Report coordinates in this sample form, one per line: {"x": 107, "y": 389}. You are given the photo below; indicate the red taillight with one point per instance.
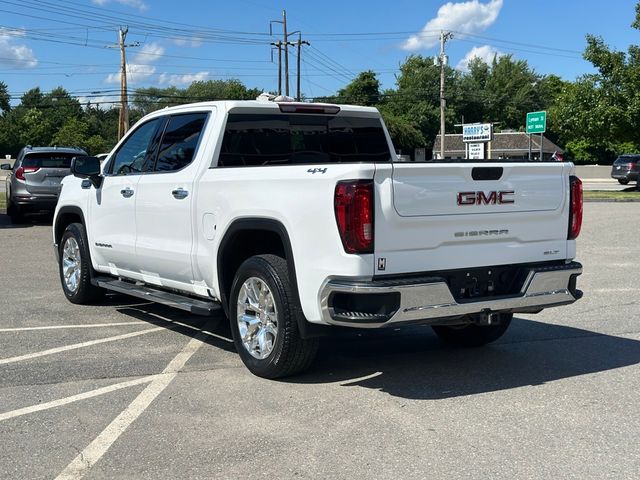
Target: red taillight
{"x": 20, "y": 171}
{"x": 353, "y": 204}
{"x": 575, "y": 207}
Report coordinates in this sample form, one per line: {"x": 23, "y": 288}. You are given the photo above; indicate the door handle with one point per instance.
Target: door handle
{"x": 126, "y": 192}
{"x": 180, "y": 193}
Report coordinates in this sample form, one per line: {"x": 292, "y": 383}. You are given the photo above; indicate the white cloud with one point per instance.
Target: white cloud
{"x": 188, "y": 42}
{"x": 189, "y": 78}
{"x": 140, "y": 67}
{"x": 464, "y": 17}
{"x": 150, "y": 52}
{"x": 13, "y": 54}
{"x": 135, "y": 74}
{"x": 485, "y": 53}
{"x": 137, "y": 4}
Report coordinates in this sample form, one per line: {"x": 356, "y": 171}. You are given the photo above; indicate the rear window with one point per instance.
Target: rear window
{"x": 627, "y": 158}
{"x": 49, "y": 160}
{"x": 254, "y": 140}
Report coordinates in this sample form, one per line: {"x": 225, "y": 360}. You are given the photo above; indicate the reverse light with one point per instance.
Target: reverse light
{"x": 575, "y": 207}
{"x": 20, "y": 171}
{"x": 353, "y": 203}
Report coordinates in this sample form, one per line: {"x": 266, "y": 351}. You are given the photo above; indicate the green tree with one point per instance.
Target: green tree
{"x": 73, "y": 133}
{"x": 598, "y": 116}
{"x": 202, "y": 91}
{"x": 34, "y": 128}
{"x": 362, "y": 90}
{"x": 511, "y": 92}
{"x": 5, "y": 98}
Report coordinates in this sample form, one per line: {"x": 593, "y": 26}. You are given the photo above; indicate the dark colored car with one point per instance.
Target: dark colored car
{"x": 34, "y": 182}
{"x": 625, "y": 169}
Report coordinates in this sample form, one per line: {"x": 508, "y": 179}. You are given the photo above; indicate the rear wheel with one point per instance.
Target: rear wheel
{"x": 472, "y": 335}
{"x": 14, "y": 212}
{"x": 75, "y": 267}
{"x": 623, "y": 181}
{"x": 264, "y": 314}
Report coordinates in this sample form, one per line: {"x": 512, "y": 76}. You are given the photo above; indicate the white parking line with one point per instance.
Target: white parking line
{"x": 97, "y": 448}
{"x": 615, "y": 290}
{"x": 56, "y": 327}
{"x": 75, "y": 398}
{"x": 51, "y": 351}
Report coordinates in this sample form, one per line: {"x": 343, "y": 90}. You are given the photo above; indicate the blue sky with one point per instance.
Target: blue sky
{"x": 49, "y": 43}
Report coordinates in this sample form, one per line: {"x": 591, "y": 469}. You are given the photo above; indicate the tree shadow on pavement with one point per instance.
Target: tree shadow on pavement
{"x": 413, "y": 363}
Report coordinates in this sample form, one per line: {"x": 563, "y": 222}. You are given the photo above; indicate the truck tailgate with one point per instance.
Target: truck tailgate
{"x": 461, "y": 215}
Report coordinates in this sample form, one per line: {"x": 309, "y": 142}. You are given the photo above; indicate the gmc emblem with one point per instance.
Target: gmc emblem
{"x": 488, "y": 198}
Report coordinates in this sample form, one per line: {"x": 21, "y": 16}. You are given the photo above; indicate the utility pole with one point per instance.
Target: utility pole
{"x": 442, "y": 60}
{"x": 286, "y": 52}
{"x": 123, "y": 121}
{"x": 285, "y": 43}
{"x": 299, "y": 43}
{"x": 278, "y": 45}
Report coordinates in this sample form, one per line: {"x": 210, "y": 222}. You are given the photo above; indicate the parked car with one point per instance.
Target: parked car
{"x": 626, "y": 167}
{"x": 34, "y": 182}
{"x": 297, "y": 219}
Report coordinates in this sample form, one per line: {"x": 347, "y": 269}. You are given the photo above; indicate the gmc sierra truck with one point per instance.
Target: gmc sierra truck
{"x": 297, "y": 218}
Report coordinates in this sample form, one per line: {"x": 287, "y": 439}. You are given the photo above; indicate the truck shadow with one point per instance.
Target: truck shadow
{"x": 217, "y": 332}
{"x": 28, "y": 222}
{"x": 412, "y": 363}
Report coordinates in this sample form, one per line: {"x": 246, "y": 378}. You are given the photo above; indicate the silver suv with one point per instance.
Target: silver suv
{"x": 34, "y": 182}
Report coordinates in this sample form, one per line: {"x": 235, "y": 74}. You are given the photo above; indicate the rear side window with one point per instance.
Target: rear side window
{"x": 180, "y": 141}
{"x": 49, "y": 160}
{"x": 254, "y": 140}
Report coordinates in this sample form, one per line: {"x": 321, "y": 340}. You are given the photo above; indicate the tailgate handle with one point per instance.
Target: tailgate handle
{"x": 486, "y": 173}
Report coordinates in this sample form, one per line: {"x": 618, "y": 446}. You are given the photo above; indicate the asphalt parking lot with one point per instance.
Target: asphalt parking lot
{"x": 133, "y": 390}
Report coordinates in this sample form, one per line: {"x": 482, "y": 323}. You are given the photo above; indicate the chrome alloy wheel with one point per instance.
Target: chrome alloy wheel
{"x": 71, "y": 264}
{"x": 257, "y": 318}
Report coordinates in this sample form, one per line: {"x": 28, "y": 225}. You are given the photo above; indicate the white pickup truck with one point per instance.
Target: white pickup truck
{"x": 296, "y": 218}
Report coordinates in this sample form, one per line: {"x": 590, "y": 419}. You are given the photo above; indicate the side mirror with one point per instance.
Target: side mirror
{"x": 87, "y": 167}
{"x": 5, "y": 166}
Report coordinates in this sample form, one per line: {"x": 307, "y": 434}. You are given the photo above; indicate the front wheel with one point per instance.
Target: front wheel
{"x": 264, "y": 313}
{"x": 75, "y": 267}
{"x": 623, "y": 181}
{"x": 473, "y": 335}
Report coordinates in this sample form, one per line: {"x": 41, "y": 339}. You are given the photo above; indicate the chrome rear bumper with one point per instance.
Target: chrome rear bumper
{"x": 430, "y": 300}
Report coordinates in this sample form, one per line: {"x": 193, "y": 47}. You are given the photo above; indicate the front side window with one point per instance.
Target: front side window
{"x": 279, "y": 139}
{"x": 180, "y": 141}
{"x": 134, "y": 153}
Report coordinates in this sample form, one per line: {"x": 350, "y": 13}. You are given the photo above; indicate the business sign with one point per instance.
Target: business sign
{"x": 476, "y": 151}
{"x": 536, "y": 122}
{"x": 477, "y": 132}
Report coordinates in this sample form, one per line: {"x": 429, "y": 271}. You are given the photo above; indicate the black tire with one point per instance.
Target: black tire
{"x": 85, "y": 292}
{"x": 291, "y": 354}
{"x": 473, "y": 335}
{"x": 623, "y": 181}
{"x": 14, "y": 212}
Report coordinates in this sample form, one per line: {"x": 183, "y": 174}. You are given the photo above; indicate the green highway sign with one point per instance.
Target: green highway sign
{"x": 536, "y": 122}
